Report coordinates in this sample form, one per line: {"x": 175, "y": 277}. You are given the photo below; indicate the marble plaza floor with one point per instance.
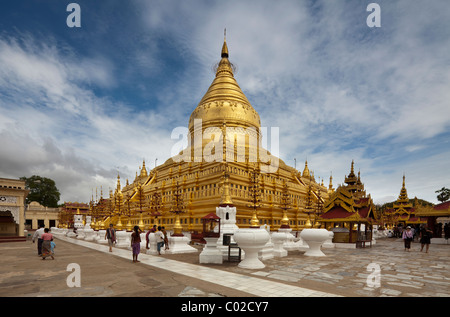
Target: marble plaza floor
{"x": 343, "y": 272}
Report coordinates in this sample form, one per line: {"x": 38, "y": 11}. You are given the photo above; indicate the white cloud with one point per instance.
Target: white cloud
{"x": 52, "y": 125}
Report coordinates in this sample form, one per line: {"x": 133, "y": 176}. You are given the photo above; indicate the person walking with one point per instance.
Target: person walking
{"x": 166, "y": 239}
{"x": 425, "y": 239}
{"x": 407, "y": 237}
{"x": 136, "y": 243}
{"x": 159, "y": 239}
{"x": 111, "y": 236}
{"x": 52, "y": 246}
{"x": 47, "y": 238}
{"x": 38, "y": 235}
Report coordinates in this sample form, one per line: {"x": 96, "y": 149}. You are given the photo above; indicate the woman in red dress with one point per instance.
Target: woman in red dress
{"x": 47, "y": 238}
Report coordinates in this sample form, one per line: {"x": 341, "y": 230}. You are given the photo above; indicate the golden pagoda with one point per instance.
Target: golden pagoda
{"x": 403, "y": 211}
{"x": 347, "y": 208}
{"x": 224, "y": 149}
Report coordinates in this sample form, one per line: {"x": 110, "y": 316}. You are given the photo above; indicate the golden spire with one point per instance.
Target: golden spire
{"x": 224, "y": 46}
{"x": 403, "y": 197}
{"x": 255, "y": 197}
{"x": 285, "y": 205}
{"x": 351, "y": 179}
{"x": 143, "y": 170}
{"x": 224, "y": 100}
{"x": 306, "y": 170}
{"x": 118, "y": 182}
{"x": 352, "y": 171}
{"x": 226, "y": 197}
{"x": 330, "y": 186}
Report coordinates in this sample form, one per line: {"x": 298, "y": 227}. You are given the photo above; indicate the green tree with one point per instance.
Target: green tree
{"x": 43, "y": 190}
{"x": 444, "y": 194}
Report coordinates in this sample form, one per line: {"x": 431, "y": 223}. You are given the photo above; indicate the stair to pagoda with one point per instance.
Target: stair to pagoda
{"x": 5, "y": 239}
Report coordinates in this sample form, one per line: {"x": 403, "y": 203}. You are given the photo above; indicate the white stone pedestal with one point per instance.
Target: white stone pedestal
{"x": 80, "y": 234}
{"x": 178, "y": 244}
{"x": 251, "y": 240}
{"x": 143, "y": 240}
{"x": 153, "y": 245}
{"x": 88, "y": 222}
{"x": 64, "y": 231}
{"x": 101, "y": 237}
{"x": 123, "y": 239}
{"x": 227, "y": 226}
{"x": 89, "y": 234}
{"x": 314, "y": 238}
{"x": 53, "y": 230}
{"x": 278, "y": 239}
{"x": 289, "y": 244}
{"x": 210, "y": 253}
{"x": 301, "y": 245}
{"x": 96, "y": 236}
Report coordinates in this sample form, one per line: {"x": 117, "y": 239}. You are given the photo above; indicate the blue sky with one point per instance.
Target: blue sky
{"x": 79, "y": 104}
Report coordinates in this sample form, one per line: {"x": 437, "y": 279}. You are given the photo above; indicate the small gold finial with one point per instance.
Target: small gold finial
{"x": 224, "y": 47}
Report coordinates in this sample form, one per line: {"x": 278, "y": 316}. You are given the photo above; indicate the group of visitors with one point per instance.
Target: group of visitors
{"x": 160, "y": 234}
{"x": 45, "y": 244}
{"x": 423, "y": 232}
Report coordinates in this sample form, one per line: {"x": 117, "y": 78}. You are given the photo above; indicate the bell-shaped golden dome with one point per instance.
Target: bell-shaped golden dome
{"x": 224, "y": 101}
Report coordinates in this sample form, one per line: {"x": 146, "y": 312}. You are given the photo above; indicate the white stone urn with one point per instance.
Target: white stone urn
{"x": 314, "y": 238}
{"x": 251, "y": 240}
{"x": 278, "y": 240}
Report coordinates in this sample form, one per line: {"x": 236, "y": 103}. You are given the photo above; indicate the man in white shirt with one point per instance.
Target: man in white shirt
{"x": 159, "y": 239}
{"x": 38, "y": 234}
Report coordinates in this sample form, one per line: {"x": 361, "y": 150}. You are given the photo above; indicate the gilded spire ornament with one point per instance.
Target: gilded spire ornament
{"x": 306, "y": 170}
{"x": 178, "y": 207}
{"x": 330, "y": 186}
{"x": 118, "y": 208}
{"x": 309, "y": 208}
{"x": 403, "y": 197}
{"x": 226, "y": 197}
{"x": 140, "y": 197}
{"x": 255, "y": 197}
{"x": 285, "y": 206}
{"x": 156, "y": 205}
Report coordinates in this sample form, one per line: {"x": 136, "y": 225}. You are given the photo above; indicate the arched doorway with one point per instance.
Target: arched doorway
{"x": 8, "y": 226}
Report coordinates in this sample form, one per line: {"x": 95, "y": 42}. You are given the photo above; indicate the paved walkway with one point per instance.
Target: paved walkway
{"x": 343, "y": 272}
